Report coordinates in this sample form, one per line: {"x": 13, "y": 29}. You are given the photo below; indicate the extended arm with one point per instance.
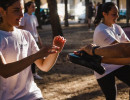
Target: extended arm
{"x": 49, "y": 61}
{"x": 113, "y": 51}
{"x": 116, "y": 50}
{"x": 117, "y": 61}
{"x": 9, "y": 69}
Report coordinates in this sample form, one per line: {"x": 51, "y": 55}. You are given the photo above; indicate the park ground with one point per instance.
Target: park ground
{"x": 68, "y": 81}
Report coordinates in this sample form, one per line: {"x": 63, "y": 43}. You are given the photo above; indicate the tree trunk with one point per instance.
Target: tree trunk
{"x": 37, "y": 12}
{"x": 103, "y": 1}
{"x": 54, "y": 18}
{"x": 127, "y": 11}
{"x": 118, "y": 4}
{"x": 66, "y": 13}
{"x": 86, "y": 16}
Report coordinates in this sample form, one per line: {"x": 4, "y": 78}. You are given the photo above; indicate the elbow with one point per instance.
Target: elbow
{"x": 4, "y": 72}
{"x": 5, "y": 75}
{"x": 45, "y": 70}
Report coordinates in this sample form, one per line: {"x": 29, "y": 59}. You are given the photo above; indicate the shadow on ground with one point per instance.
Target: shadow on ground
{"x": 68, "y": 81}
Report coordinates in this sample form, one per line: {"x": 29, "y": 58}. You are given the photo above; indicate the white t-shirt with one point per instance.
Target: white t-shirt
{"x": 14, "y": 46}
{"x": 103, "y": 36}
{"x": 30, "y": 23}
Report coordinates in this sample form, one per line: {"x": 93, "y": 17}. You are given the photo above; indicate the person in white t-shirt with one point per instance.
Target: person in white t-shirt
{"x": 29, "y": 22}
{"x": 18, "y": 50}
{"x": 107, "y": 33}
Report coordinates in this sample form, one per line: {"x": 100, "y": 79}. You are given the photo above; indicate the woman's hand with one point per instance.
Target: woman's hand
{"x": 59, "y": 41}
{"x": 88, "y": 48}
{"x": 46, "y": 50}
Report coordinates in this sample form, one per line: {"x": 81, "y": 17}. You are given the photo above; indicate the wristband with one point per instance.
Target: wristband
{"x": 93, "y": 50}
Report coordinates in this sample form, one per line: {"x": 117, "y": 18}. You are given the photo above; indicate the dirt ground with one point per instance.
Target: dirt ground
{"x": 68, "y": 81}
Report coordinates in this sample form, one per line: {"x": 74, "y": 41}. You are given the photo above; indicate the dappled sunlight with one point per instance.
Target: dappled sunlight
{"x": 71, "y": 88}
{"x": 69, "y": 81}
{"x": 79, "y": 86}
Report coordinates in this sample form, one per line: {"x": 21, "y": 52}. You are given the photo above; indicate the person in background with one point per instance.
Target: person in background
{"x": 29, "y": 22}
{"x": 90, "y": 15}
{"x": 18, "y": 50}
{"x": 96, "y": 8}
{"x": 107, "y": 33}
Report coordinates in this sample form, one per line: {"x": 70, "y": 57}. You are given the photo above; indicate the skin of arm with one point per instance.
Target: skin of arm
{"x": 119, "y": 50}
{"x": 46, "y": 64}
{"x": 9, "y": 69}
{"x": 117, "y": 61}
{"x": 118, "y": 53}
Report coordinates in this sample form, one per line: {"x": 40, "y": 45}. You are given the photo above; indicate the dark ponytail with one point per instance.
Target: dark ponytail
{"x": 99, "y": 15}
{"x": 106, "y": 7}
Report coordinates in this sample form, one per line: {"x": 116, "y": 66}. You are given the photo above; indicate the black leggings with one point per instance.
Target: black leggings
{"x": 107, "y": 83}
{"x": 33, "y": 68}
{"x": 40, "y": 99}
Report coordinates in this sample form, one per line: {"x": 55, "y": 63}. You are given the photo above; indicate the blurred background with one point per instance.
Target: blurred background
{"x": 68, "y": 11}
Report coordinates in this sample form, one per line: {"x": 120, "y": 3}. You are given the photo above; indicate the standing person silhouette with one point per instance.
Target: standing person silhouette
{"x": 29, "y": 22}
{"x": 18, "y": 50}
{"x": 107, "y": 33}
{"x": 90, "y": 15}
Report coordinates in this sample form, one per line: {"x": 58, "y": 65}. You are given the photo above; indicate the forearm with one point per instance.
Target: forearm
{"x": 116, "y": 50}
{"x": 13, "y": 68}
{"x": 47, "y": 63}
{"x": 117, "y": 61}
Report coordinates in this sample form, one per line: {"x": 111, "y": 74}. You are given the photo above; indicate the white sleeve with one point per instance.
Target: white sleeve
{"x": 22, "y": 22}
{"x": 3, "y": 59}
{"x": 34, "y": 46}
{"x": 103, "y": 38}
{"x": 124, "y": 37}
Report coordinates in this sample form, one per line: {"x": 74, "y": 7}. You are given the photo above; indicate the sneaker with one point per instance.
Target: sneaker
{"x": 37, "y": 77}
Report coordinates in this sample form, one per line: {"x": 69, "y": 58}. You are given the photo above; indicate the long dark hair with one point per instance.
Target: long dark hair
{"x": 28, "y": 4}
{"x": 106, "y": 7}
